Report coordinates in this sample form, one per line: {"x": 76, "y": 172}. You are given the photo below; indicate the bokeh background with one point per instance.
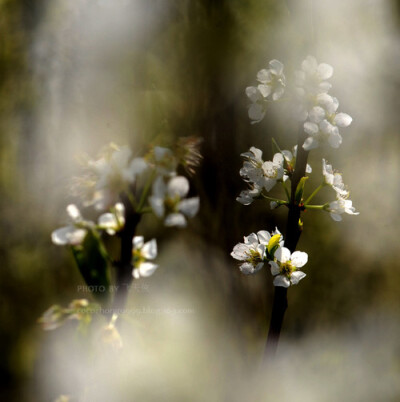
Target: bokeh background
{"x": 75, "y": 75}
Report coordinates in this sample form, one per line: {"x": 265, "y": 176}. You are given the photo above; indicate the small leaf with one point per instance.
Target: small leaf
{"x": 273, "y": 245}
{"x": 298, "y": 196}
{"x": 92, "y": 260}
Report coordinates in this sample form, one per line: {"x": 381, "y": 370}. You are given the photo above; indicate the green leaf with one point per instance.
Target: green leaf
{"x": 92, "y": 260}
{"x": 298, "y": 195}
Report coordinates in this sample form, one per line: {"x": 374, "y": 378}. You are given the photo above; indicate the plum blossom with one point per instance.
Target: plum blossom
{"x": 141, "y": 253}
{"x": 109, "y": 175}
{"x": 334, "y": 179}
{"x": 260, "y": 174}
{"x": 272, "y": 86}
{"x": 339, "y": 207}
{"x": 254, "y": 250}
{"x": 75, "y": 232}
{"x": 168, "y": 201}
{"x": 311, "y": 80}
{"x": 114, "y": 221}
{"x": 323, "y": 123}
{"x": 286, "y": 267}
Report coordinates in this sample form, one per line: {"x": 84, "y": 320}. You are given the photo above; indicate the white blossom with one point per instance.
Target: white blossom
{"x": 253, "y": 251}
{"x": 168, "y": 201}
{"x": 114, "y": 221}
{"x": 339, "y": 207}
{"x": 141, "y": 253}
{"x": 290, "y": 160}
{"x": 286, "y": 267}
{"x": 334, "y": 179}
{"x": 271, "y": 86}
{"x": 260, "y": 174}
{"x": 323, "y": 123}
{"x": 112, "y": 174}
{"x": 75, "y": 232}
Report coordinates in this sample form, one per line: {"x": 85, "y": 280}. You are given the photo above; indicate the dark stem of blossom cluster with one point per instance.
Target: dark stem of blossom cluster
{"x": 292, "y": 235}
{"x": 124, "y": 266}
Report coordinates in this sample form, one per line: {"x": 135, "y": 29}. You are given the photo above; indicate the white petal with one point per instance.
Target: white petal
{"x": 109, "y": 222}
{"x": 282, "y": 254}
{"x": 263, "y": 236}
{"x": 276, "y": 67}
{"x": 299, "y": 259}
{"x": 335, "y": 139}
{"x": 137, "y": 166}
{"x": 160, "y": 153}
{"x": 178, "y": 186}
{"x": 274, "y": 268}
{"x": 278, "y": 93}
{"x": 147, "y": 268}
{"x": 159, "y": 187}
{"x": 269, "y": 183}
{"x": 74, "y": 213}
{"x": 257, "y": 153}
{"x": 336, "y": 217}
{"x": 278, "y": 159}
{"x": 251, "y": 239}
{"x": 296, "y": 277}
{"x": 149, "y": 249}
{"x": 311, "y": 128}
{"x": 135, "y": 273}
{"x": 175, "y": 219}
{"x": 264, "y": 76}
{"x": 265, "y": 90}
{"x": 324, "y": 86}
{"x": 240, "y": 252}
{"x": 309, "y": 65}
{"x": 343, "y": 120}
{"x": 68, "y": 235}
{"x": 308, "y": 168}
{"x": 253, "y": 94}
{"x": 256, "y": 112}
{"x": 157, "y": 204}
{"x": 316, "y": 114}
{"x": 247, "y": 268}
{"x": 190, "y": 206}
{"x": 324, "y": 71}
{"x": 310, "y": 143}
{"x": 273, "y": 205}
{"x": 282, "y": 281}
{"x": 138, "y": 242}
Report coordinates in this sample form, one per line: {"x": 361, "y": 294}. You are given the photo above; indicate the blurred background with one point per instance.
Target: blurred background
{"x": 75, "y": 75}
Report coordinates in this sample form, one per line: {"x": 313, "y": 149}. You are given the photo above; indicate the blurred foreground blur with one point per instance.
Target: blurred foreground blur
{"x": 75, "y": 75}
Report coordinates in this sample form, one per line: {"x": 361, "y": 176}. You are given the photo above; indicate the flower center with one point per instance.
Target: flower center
{"x": 287, "y": 268}
{"x": 253, "y": 257}
{"x": 137, "y": 257}
{"x": 171, "y": 203}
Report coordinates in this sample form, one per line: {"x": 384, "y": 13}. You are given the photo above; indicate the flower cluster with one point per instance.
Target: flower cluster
{"x": 317, "y": 108}
{"x": 257, "y": 249}
{"x": 259, "y": 175}
{"x": 271, "y": 87}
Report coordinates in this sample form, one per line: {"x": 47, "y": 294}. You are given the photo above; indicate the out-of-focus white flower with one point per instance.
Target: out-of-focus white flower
{"x": 112, "y": 174}
{"x": 272, "y": 86}
{"x": 323, "y": 123}
{"x": 311, "y": 79}
{"x": 273, "y": 171}
{"x": 113, "y": 222}
{"x": 339, "y": 207}
{"x": 168, "y": 200}
{"x": 165, "y": 161}
{"x": 246, "y": 197}
{"x": 286, "y": 267}
{"x": 141, "y": 253}
{"x": 75, "y": 232}
{"x": 334, "y": 179}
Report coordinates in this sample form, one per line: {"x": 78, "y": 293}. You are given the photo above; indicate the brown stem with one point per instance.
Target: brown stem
{"x": 292, "y": 235}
